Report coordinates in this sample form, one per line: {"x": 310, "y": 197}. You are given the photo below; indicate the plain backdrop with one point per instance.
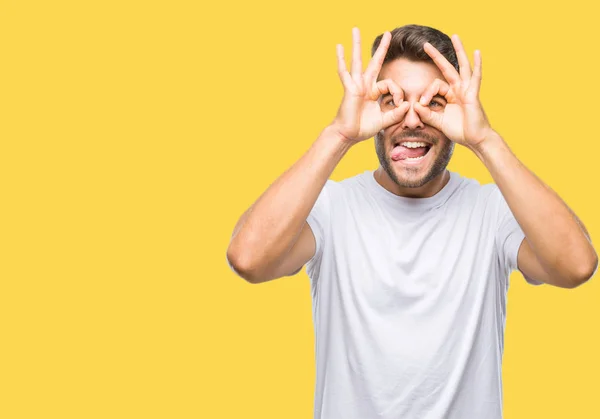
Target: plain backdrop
{"x": 133, "y": 134}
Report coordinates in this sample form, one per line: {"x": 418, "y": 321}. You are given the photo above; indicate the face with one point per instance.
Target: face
{"x": 413, "y": 78}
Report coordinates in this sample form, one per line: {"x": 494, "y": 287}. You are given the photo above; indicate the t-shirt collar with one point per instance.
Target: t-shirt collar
{"x": 414, "y": 203}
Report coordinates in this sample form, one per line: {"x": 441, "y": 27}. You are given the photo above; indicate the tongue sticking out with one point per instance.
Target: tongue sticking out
{"x": 400, "y": 152}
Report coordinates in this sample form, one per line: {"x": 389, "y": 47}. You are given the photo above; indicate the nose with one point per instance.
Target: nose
{"x": 411, "y": 119}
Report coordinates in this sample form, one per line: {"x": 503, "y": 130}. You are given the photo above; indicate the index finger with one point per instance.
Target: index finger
{"x": 463, "y": 61}
{"x": 356, "y": 51}
{"x": 377, "y": 61}
{"x": 446, "y": 68}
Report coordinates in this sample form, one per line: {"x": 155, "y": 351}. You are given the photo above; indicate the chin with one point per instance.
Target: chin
{"x": 412, "y": 174}
{"x": 412, "y": 177}
{"x": 415, "y": 173}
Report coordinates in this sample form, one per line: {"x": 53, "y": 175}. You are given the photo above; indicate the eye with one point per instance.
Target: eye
{"x": 435, "y": 103}
{"x": 389, "y": 102}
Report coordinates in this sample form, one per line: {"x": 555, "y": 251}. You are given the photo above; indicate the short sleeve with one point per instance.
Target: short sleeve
{"x": 509, "y": 237}
{"x": 318, "y": 219}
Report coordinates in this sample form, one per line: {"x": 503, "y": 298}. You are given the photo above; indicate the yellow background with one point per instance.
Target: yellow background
{"x": 135, "y": 133}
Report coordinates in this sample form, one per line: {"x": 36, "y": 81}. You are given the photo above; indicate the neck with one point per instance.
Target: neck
{"x": 426, "y": 191}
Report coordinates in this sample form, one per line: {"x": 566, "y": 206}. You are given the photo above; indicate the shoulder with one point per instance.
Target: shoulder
{"x": 470, "y": 190}
{"x": 493, "y": 204}
{"x": 348, "y": 186}
{"x": 486, "y": 192}
{"x": 484, "y": 199}
{"x": 492, "y": 195}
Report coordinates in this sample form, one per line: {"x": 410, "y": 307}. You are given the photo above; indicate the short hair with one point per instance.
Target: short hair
{"x": 407, "y": 42}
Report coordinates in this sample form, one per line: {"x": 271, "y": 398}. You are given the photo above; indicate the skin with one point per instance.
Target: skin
{"x": 272, "y": 238}
{"x": 557, "y": 249}
{"x": 381, "y": 102}
{"x": 430, "y": 175}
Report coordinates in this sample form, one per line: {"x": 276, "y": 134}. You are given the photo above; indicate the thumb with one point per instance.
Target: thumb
{"x": 428, "y": 116}
{"x": 395, "y": 115}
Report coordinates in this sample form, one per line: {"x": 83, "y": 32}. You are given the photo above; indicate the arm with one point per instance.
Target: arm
{"x": 272, "y": 225}
{"x": 556, "y": 249}
{"x": 272, "y": 238}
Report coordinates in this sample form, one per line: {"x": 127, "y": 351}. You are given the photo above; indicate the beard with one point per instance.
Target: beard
{"x": 411, "y": 181}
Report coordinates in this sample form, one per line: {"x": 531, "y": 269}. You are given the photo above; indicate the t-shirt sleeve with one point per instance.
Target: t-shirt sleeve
{"x": 509, "y": 237}
{"x": 318, "y": 219}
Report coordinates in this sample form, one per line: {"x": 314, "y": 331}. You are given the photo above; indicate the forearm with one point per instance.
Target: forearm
{"x": 269, "y": 228}
{"x": 557, "y": 237}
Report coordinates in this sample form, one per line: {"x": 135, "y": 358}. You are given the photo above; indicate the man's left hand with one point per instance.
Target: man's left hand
{"x": 463, "y": 119}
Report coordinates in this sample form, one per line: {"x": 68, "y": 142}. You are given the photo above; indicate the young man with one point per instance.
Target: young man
{"x": 409, "y": 264}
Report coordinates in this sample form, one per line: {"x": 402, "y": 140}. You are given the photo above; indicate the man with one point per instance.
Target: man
{"x": 409, "y": 264}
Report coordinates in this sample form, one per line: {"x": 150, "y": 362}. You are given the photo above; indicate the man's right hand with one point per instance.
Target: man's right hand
{"x": 274, "y": 239}
{"x": 360, "y": 115}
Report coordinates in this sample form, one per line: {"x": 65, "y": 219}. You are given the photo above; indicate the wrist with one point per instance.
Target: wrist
{"x": 331, "y": 139}
{"x": 488, "y": 146}
{"x": 333, "y": 132}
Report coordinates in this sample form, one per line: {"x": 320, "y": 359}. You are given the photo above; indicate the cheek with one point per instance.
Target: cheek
{"x": 381, "y": 141}
{"x": 442, "y": 140}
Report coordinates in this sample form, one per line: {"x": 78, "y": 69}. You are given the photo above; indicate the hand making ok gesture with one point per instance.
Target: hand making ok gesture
{"x": 360, "y": 116}
{"x": 463, "y": 120}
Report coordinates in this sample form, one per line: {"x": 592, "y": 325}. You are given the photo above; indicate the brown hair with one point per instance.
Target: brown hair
{"x": 407, "y": 42}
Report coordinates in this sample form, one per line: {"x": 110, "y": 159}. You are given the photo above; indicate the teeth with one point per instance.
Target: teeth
{"x": 414, "y": 144}
{"x": 414, "y": 158}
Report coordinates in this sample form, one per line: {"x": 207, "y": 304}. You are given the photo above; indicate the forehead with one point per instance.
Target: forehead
{"x": 412, "y": 76}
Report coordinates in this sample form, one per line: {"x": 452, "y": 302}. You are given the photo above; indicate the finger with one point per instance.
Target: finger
{"x": 342, "y": 71}
{"x": 463, "y": 61}
{"x": 476, "y": 79}
{"x": 445, "y": 67}
{"x": 377, "y": 61}
{"x": 356, "y": 57}
{"x": 429, "y": 117}
{"x": 395, "y": 115}
{"x": 438, "y": 87}
{"x": 388, "y": 86}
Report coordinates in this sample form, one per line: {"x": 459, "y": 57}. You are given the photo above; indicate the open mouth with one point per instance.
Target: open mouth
{"x": 410, "y": 151}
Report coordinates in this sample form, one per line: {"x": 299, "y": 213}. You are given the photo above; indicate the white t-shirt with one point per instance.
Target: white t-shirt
{"x": 409, "y": 300}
